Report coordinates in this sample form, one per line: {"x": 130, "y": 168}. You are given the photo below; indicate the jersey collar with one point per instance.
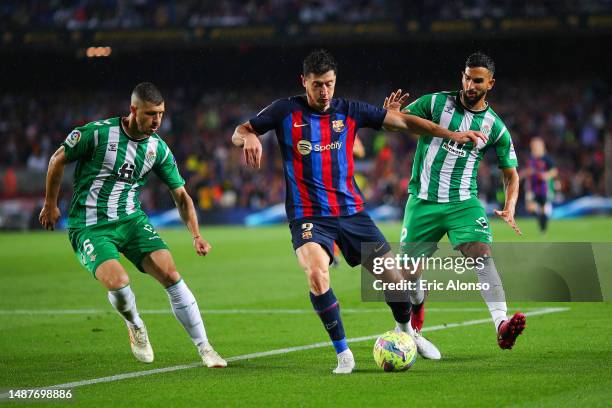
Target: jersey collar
{"x": 144, "y": 139}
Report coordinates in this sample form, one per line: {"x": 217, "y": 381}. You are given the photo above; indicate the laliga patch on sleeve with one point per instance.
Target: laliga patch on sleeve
{"x": 73, "y": 138}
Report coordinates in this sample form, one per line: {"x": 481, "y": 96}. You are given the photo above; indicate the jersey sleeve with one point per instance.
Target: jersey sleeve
{"x": 167, "y": 169}
{"x": 504, "y": 148}
{"x": 368, "y": 116}
{"x": 269, "y": 117}
{"x": 79, "y": 143}
{"x": 421, "y": 107}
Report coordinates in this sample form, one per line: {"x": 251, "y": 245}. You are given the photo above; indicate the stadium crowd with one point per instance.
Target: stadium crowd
{"x": 137, "y": 14}
{"x": 572, "y": 119}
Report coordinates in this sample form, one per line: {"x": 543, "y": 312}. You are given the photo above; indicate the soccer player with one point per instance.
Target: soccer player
{"x": 316, "y": 133}
{"x": 541, "y": 173}
{"x": 114, "y": 158}
{"x": 443, "y": 193}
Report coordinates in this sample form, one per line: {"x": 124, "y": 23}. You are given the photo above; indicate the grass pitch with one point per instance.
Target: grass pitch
{"x": 57, "y": 327}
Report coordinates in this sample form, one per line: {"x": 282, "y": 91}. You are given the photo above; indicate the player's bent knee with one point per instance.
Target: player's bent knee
{"x": 171, "y": 277}
{"x": 475, "y": 250}
{"x": 318, "y": 280}
{"x": 112, "y": 275}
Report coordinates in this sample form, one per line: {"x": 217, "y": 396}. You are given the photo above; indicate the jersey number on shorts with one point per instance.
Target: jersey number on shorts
{"x": 307, "y": 230}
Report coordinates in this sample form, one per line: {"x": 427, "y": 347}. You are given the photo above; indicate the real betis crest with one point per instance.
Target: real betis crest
{"x": 150, "y": 157}
{"x": 338, "y": 125}
{"x": 486, "y": 129}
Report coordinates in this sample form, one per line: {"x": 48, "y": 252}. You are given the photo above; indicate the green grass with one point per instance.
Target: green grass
{"x": 563, "y": 359}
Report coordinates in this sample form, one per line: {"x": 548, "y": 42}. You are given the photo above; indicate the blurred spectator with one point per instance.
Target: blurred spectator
{"x": 572, "y": 119}
{"x": 136, "y": 14}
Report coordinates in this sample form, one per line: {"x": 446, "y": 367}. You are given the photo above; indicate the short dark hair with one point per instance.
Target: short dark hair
{"x": 147, "y": 92}
{"x": 319, "y": 62}
{"x": 480, "y": 59}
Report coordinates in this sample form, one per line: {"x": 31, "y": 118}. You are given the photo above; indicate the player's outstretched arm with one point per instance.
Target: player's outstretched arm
{"x": 245, "y": 136}
{"x": 187, "y": 210}
{"x": 395, "y": 121}
{"x": 50, "y": 213}
{"x": 511, "y": 187}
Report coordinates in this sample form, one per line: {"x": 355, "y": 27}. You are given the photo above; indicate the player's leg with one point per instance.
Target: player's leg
{"x": 543, "y": 212}
{"x": 336, "y": 261}
{"x": 508, "y": 329}
{"x": 160, "y": 265}
{"x": 469, "y": 232}
{"x": 149, "y": 253}
{"x": 315, "y": 261}
{"x": 547, "y": 211}
{"x": 359, "y": 229}
{"x": 358, "y": 233}
{"x": 422, "y": 228}
{"x": 113, "y": 276}
{"x": 97, "y": 252}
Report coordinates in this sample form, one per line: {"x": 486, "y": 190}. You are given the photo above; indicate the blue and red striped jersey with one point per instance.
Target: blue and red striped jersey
{"x": 317, "y": 151}
{"x": 536, "y": 182}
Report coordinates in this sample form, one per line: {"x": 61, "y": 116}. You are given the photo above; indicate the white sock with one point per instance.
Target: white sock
{"x": 124, "y": 302}
{"x": 417, "y": 296}
{"x": 498, "y": 312}
{"x": 495, "y": 298}
{"x": 404, "y": 327}
{"x": 187, "y": 312}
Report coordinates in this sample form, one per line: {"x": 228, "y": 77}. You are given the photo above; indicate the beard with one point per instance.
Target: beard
{"x": 472, "y": 99}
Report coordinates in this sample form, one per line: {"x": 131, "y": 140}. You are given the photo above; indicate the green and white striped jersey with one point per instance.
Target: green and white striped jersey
{"x": 444, "y": 171}
{"x": 111, "y": 169}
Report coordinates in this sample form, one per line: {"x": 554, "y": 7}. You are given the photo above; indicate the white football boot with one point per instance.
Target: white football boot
{"x": 210, "y": 357}
{"x": 425, "y": 348}
{"x": 141, "y": 347}
{"x": 346, "y": 362}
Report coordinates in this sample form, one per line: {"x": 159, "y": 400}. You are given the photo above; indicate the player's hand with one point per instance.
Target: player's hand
{"x": 252, "y": 151}
{"x": 395, "y": 101}
{"x": 48, "y": 217}
{"x": 469, "y": 136}
{"x": 508, "y": 216}
{"x": 201, "y": 246}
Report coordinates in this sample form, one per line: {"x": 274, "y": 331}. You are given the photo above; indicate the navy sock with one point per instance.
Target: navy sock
{"x": 543, "y": 220}
{"x": 400, "y": 310}
{"x": 328, "y": 309}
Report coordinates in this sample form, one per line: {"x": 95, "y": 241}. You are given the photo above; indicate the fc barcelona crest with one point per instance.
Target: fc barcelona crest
{"x": 338, "y": 125}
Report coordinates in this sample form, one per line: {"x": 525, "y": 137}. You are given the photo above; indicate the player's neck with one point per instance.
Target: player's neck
{"x": 479, "y": 105}
{"x": 130, "y": 128}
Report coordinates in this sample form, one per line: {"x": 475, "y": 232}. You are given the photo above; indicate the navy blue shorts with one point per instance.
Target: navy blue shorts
{"x": 347, "y": 231}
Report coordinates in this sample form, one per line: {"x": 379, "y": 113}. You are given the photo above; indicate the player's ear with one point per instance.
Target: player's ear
{"x": 133, "y": 109}
{"x": 303, "y": 78}
{"x": 491, "y": 84}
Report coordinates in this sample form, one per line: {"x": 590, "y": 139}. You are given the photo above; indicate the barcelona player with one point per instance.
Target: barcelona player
{"x": 541, "y": 173}
{"x": 316, "y": 134}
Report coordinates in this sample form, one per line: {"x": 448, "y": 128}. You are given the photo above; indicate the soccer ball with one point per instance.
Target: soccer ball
{"x": 395, "y": 351}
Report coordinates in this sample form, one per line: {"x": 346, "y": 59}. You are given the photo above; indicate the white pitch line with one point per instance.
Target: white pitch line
{"x": 45, "y": 312}
{"x": 136, "y": 374}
